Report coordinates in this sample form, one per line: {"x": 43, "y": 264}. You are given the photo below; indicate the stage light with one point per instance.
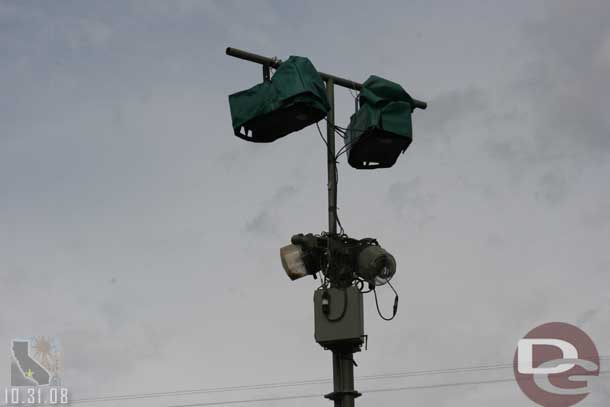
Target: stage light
{"x": 381, "y": 129}
{"x": 351, "y": 259}
{"x": 294, "y": 98}
{"x": 292, "y": 261}
{"x": 303, "y": 256}
{"x": 375, "y": 265}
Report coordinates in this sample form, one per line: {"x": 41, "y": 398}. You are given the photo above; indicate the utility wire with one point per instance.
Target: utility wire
{"x": 278, "y": 385}
{"x": 382, "y": 390}
{"x": 454, "y": 384}
{"x": 223, "y": 403}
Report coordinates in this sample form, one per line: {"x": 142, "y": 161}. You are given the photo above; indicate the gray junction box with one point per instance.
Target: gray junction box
{"x": 343, "y": 325}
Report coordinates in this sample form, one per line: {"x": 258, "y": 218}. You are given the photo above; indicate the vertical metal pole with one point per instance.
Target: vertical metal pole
{"x": 343, "y": 394}
{"x": 337, "y": 373}
{"x": 331, "y": 161}
{"x": 343, "y": 368}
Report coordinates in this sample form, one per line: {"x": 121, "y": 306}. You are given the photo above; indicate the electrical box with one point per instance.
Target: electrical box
{"x": 339, "y": 318}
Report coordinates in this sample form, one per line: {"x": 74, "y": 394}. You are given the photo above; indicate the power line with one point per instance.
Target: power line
{"x": 297, "y": 383}
{"x": 304, "y": 396}
{"x": 454, "y": 384}
{"x": 223, "y": 403}
{"x": 383, "y": 390}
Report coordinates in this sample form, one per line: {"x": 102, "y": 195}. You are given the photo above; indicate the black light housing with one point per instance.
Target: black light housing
{"x": 351, "y": 259}
{"x": 280, "y": 123}
{"x": 375, "y": 148}
{"x": 294, "y": 98}
{"x": 304, "y": 256}
{"x": 381, "y": 128}
{"x": 376, "y": 265}
{"x": 292, "y": 261}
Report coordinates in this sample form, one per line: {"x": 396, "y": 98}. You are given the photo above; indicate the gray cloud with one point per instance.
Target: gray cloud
{"x": 262, "y": 224}
{"x": 451, "y": 108}
{"x": 265, "y": 221}
{"x": 564, "y": 85}
{"x": 552, "y": 188}
{"x": 409, "y": 199}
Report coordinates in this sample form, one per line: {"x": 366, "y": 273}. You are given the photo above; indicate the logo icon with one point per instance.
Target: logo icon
{"x": 35, "y": 361}
{"x": 554, "y": 364}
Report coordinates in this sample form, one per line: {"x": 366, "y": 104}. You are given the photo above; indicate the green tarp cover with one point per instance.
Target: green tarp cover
{"x": 384, "y": 105}
{"x": 295, "y": 81}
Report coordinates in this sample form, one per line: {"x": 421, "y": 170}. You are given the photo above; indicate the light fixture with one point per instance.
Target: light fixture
{"x": 350, "y": 259}
{"x": 304, "y": 256}
{"x": 294, "y": 98}
{"x": 381, "y": 128}
{"x": 292, "y": 261}
{"x": 375, "y": 265}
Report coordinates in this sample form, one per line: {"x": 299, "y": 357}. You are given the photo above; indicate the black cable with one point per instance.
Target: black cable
{"x": 356, "y": 96}
{"x": 394, "y": 309}
{"x": 347, "y": 145}
{"x": 322, "y": 279}
{"x": 341, "y": 230}
{"x": 344, "y": 307}
{"x": 340, "y": 133}
{"x": 337, "y": 129}
{"x": 361, "y": 281}
{"x": 336, "y": 182}
{"x": 343, "y": 129}
{"x": 321, "y": 135}
{"x": 344, "y": 149}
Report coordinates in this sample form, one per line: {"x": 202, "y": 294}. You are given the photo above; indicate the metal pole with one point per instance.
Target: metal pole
{"x": 346, "y": 372}
{"x": 343, "y": 394}
{"x": 337, "y": 375}
{"x": 331, "y": 159}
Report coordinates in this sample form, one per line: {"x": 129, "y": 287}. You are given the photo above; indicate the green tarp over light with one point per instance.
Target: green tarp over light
{"x": 385, "y": 105}
{"x": 294, "y": 98}
{"x": 381, "y": 129}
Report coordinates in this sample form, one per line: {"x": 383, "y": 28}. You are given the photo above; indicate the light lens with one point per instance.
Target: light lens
{"x": 376, "y": 265}
{"x": 292, "y": 261}
{"x": 387, "y": 271}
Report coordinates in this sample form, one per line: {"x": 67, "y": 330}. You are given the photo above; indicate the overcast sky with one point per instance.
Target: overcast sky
{"x": 136, "y": 228}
